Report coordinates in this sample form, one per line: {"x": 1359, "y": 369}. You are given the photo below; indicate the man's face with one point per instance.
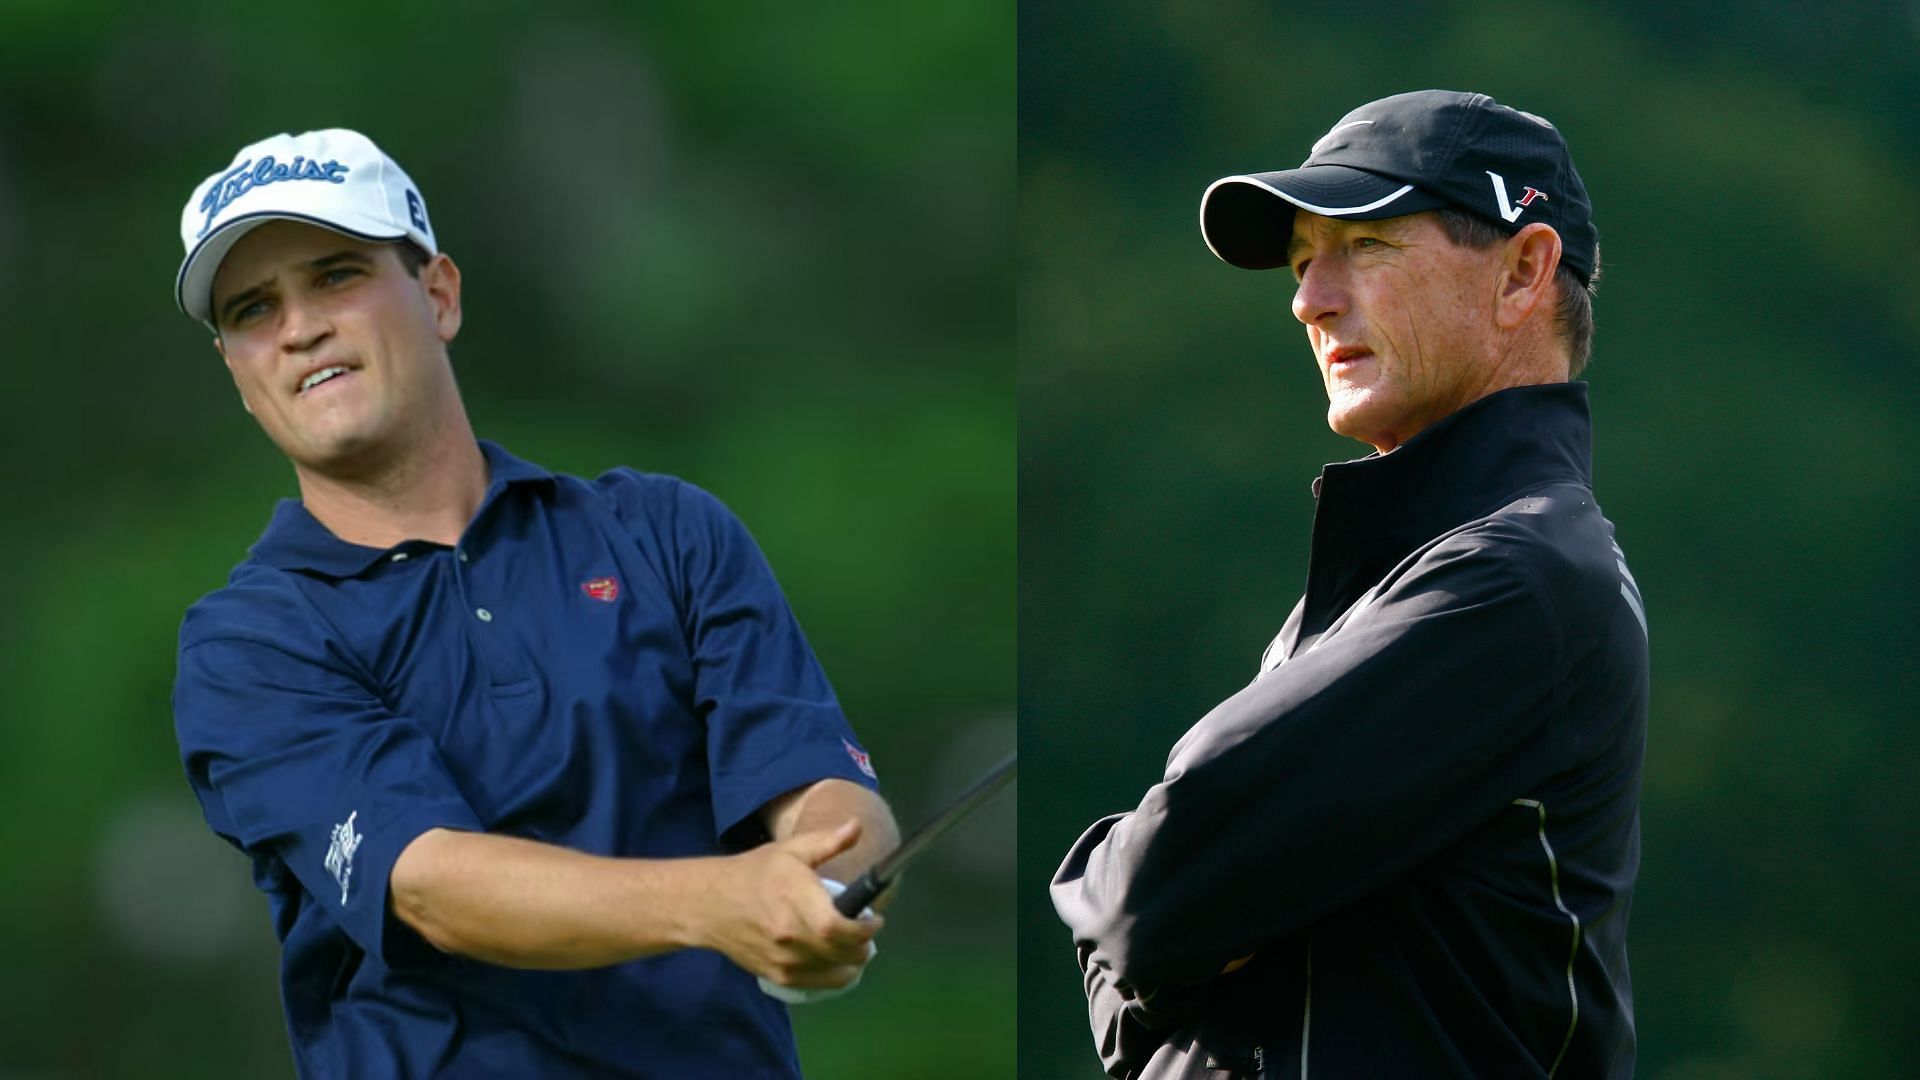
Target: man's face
{"x": 292, "y": 301}
{"x": 1400, "y": 319}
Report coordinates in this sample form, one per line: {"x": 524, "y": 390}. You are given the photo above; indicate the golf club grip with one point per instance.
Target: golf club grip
{"x": 859, "y": 895}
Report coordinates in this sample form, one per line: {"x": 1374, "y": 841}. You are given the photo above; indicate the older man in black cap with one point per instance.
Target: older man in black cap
{"x": 1408, "y": 847}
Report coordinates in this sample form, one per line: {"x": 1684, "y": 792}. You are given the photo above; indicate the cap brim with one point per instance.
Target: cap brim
{"x": 1248, "y": 220}
{"x": 193, "y": 288}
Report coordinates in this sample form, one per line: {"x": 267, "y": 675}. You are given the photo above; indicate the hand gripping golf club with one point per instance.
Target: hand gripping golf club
{"x": 882, "y": 874}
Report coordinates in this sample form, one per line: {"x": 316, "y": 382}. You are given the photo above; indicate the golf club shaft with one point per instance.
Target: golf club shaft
{"x": 882, "y": 874}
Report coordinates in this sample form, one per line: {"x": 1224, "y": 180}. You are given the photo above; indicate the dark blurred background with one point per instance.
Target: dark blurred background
{"x": 767, "y": 248}
{"x": 1755, "y": 170}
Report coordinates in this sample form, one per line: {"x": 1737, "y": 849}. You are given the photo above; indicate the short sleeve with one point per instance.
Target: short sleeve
{"x": 773, "y": 723}
{"x": 296, "y": 761}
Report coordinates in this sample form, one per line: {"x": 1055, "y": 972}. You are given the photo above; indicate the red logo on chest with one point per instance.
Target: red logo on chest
{"x": 604, "y": 589}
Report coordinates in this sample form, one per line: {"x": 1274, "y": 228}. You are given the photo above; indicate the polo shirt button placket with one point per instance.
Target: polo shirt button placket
{"x": 481, "y": 613}
{"x": 494, "y": 649}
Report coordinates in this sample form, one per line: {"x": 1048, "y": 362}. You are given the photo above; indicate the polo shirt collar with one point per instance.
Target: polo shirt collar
{"x": 295, "y": 540}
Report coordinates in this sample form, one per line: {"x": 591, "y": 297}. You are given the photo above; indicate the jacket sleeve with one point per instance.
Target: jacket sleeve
{"x": 1333, "y": 773}
{"x": 1127, "y": 1027}
{"x": 1122, "y": 1036}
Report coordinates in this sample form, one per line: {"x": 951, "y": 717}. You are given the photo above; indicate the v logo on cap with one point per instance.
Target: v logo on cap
{"x": 1509, "y": 210}
{"x": 1401, "y": 155}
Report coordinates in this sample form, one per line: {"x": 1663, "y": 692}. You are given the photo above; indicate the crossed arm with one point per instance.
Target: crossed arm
{"x": 1326, "y": 778}
{"x": 521, "y": 903}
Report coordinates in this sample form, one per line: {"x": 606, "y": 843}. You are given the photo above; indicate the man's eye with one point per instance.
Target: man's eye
{"x": 337, "y": 275}
{"x": 250, "y": 312}
{"x": 1300, "y": 270}
{"x": 1366, "y": 242}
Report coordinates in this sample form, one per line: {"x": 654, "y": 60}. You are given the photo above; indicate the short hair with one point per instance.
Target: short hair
{"x": 412, "y": 257}
{"x": 1573, "y": 314}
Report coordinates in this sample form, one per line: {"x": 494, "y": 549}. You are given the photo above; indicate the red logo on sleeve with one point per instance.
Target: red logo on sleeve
{"x": 604, "y": 589}
{"x": 860, "y": 758}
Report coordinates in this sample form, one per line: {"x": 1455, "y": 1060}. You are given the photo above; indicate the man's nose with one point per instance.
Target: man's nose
{"x": 303, "y": 324}
{"x": 1321, "y": 295}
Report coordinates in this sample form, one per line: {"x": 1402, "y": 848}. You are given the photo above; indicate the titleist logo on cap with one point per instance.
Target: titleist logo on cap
{"x": 334, "y": 179}
{"x": 247, "y": 175}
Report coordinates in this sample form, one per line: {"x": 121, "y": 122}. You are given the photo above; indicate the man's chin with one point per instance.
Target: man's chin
{"x": 340, "y": 455}
{"x": 1354, "y": 415}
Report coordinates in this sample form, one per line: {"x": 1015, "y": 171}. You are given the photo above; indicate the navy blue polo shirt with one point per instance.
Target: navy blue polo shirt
{"x": 605, "y": 665}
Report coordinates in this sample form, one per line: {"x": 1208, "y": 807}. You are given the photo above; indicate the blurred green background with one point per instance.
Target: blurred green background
{"x": 767, "y": 248}
{"x": 1756, "y": 175}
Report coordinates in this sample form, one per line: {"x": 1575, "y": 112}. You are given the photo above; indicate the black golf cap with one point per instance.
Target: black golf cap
{"x": 1404, "y": 154}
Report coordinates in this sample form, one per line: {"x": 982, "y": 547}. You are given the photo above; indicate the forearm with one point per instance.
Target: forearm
{"x": 826, "y": 805}
{"x": 524, "y": 904}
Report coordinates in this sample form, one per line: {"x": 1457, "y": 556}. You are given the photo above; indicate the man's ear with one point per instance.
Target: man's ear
{"x": 1527, "y": 264}
{"x": 221, "y": 348}
{"x": 441, "y": 280}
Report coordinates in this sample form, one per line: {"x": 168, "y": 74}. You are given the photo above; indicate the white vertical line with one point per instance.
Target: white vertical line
{"x": 1620, "y": 561}
{"x": 1638, "y": 612}
{"x": 1553, "y": 877}
{"x": 1630, "y": 588}
{"x": 1306, "y": 1020}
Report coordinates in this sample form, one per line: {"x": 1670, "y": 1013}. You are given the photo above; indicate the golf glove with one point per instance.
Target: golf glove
{"x": 794, "y": 995}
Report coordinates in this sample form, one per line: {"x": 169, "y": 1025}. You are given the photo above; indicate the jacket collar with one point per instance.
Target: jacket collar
{"x": 295, "y": 539}
{"x": 1375, "y": 511}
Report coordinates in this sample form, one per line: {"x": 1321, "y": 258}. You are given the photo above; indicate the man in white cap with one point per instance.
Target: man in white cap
{"x": 1408, "y": 847}
{"x": 537, "y": 773}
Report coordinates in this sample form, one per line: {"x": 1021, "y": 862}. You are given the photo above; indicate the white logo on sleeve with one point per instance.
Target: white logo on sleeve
{"x": 340, "y": 853}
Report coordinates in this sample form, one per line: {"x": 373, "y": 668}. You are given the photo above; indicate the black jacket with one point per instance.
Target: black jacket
{"x": 1421, "y": 818}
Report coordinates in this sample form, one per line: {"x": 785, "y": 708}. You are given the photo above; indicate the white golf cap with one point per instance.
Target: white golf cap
{"x": 335, "y": 178}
